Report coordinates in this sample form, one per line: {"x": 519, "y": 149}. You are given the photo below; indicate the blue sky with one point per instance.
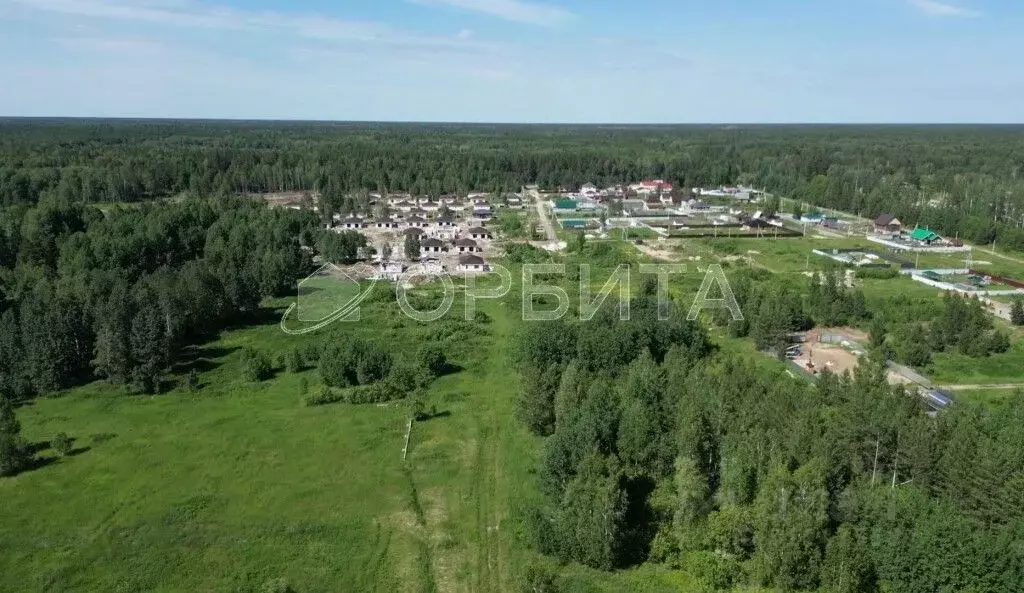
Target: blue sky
{"x": 641, "y": 61}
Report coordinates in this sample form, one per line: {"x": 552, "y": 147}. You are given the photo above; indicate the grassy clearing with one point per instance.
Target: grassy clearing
{"x": 320, "y": 296}
{"x": 952, "y": 368}
{"x": 990, "y": 398}
{"x": 239, "y": 483}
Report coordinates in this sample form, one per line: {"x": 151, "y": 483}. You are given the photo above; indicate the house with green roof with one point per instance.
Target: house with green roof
{"x": 564, "y": 206}
{"x": 924, "y": 235}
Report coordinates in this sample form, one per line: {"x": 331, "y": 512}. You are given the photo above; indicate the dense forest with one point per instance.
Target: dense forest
{"x": 962, "y": 180}
{"x": 85, "y": 294}
{"x": 660, "y": 450}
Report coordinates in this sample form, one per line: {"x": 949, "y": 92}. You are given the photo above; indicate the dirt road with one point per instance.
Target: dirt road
{"x": 975, "y": 387}
{"x": 545, "y": 220}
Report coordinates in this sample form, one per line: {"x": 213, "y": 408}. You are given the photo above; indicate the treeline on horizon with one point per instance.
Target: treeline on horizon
{"x": 961, "y": 180}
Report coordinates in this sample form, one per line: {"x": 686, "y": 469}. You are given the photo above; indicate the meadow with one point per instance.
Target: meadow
{"x": 238, "y": 485}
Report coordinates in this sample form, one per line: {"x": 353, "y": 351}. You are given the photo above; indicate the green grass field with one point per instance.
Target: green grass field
{"x": 239, "y": 483}
{"x": 321, "y": 296}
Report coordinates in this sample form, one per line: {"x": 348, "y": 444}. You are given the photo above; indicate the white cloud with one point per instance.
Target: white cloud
{"x": 937, "y": 8}
{"x": 511, "y": 10}
{"x": 195, "y": 15}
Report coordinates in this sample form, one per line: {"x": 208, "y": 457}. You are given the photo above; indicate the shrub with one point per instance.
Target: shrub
{"x": 539, "y": 577}
{"x": 278, "y": 585}
{"x": 353, "y": 362}
{"x": 293, "y": 361}
{"x": 886, "y": 273}
{"x": 431, "y": 357}
{"x": 62, "y": 443}
{"x": 255, "y": 366}
{"x": 407, "y": 376}
{"x": 324, "y": 397}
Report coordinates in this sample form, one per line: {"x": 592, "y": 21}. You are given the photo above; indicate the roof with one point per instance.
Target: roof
{"x": 758, "y": 223}
{"x": 465, "y": 243}
{"x": 353, "y": 221}
{"x": 565, "y": 204}
{"x": 885, "y": 219}
{"x": 414, "y": 231}
{"x": 923, "y": 234}
{"x": 479, "y": 230}
{"x": 471, "y": 260}
{"x": 431, "y": 243}
{"x": 415, "y": 219}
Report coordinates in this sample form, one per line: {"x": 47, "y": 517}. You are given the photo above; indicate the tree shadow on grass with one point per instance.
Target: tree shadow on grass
{"x": 201, "y": 359}
{"x": 451, "y": 368}
{"x": 433, "y": 414}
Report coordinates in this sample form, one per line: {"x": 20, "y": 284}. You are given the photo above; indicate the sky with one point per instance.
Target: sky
{"x": 565, "y": 61}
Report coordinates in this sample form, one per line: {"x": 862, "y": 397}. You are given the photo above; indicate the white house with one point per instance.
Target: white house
{"x": 472, "y": 263}
{"x": 479, "y": 233}
{"x": 403, "y": 206}
{"x": 467, "y": 246}
{"x": 589, "y": 190}
{"x": 385, "y": 224}
{"x": 431, "y": 246}
{"x": 391, "y": 270}
{"x": 415, "y": 222}
{"x": 652, "y": 186}
{"x": 352, "y": 223}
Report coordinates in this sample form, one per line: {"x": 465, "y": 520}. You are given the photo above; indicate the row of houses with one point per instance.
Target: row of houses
{"x": 468, "y": 263}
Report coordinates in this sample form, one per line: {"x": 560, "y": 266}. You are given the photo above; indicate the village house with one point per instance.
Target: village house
{"x": 391, "y": 270}
{"x": 888, "y": 224}
{"x": 416, "y": 222}
{"x": 431, "y": 246}
{"x": 445, "y": 221}
{"x": 564, "y": 206}
{"x": 414, "y": 231}
{"x": 651, "y": 186}
{"x": 479, "y": 233}
{"x": 467, "y": 246}
{"x": 385, "y": 224}
{"x": 403, "y": 206}
{"x": 482, "y": 211}
{"x": 589, "y": 190}
{"x": 352, "y": 223}
{"x": 472, "y": 263}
